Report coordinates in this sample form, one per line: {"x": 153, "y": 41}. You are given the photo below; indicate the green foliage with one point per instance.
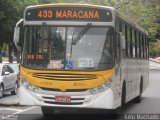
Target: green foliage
{"x": 10, "y": 12}
{"x": 155, "y": 49}
{"x": 145, "y": 13}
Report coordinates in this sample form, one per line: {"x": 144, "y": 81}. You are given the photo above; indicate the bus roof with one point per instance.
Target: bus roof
{"x": 69, "y": 4}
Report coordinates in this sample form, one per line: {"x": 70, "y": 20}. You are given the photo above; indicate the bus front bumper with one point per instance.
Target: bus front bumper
{"x": 103, "y": 100}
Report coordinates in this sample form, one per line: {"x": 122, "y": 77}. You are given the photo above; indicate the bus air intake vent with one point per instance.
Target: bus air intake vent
{"x": 67, "y": 90}
{"x": 64, "y": 77}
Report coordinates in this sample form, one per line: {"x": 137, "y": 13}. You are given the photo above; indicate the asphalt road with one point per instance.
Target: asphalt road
{"x": 150, "y": 104}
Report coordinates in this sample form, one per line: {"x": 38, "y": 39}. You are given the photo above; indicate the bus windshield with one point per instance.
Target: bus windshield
{"x": 53, "y": 47}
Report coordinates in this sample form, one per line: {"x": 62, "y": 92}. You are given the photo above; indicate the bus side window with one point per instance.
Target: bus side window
{"x": 126, "y": 40}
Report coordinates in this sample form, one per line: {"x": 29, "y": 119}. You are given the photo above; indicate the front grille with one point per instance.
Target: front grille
{"x": 64, "y": 77}
{"x": 68, "y": 90}
{"x": 75, "y": 100}
{"x": 71, "y": 98}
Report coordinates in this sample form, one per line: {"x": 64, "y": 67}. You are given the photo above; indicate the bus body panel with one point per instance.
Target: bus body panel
{"x": 102, "y": 100}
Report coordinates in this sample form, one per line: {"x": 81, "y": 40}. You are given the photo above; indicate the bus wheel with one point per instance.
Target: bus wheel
{"x": 123, "y": 97}
{"x": 47, "y": 111}
{"x": 138, "y": 98}
{"x": 119, "y": 110}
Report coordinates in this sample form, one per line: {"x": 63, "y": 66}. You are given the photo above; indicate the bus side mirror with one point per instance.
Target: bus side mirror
{"x": 18, "y": 35}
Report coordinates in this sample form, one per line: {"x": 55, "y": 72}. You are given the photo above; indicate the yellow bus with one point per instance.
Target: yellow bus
{"x": 80, "y": 56}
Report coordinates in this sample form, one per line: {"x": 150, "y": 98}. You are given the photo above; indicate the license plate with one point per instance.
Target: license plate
{"x": 63, "y": 99}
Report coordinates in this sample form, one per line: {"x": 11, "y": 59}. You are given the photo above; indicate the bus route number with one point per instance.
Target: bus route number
{"x": 45, "y": 14}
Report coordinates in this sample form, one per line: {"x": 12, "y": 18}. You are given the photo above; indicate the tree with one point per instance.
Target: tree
{"x": 10, "y": 12}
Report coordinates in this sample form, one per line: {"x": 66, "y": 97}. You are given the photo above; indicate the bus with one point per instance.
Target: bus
{"x": 80, "y": 56}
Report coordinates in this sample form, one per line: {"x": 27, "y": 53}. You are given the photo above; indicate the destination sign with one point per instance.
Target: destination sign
{"x": 68, "y": 13}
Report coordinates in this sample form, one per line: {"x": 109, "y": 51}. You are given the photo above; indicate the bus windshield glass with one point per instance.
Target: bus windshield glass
{"x": 54, "y": 48}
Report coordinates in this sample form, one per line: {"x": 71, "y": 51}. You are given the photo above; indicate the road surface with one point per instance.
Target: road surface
{"x": 150, "y": 104}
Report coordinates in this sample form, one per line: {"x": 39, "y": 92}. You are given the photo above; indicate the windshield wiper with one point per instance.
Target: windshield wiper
{"x": 81, "y": 34}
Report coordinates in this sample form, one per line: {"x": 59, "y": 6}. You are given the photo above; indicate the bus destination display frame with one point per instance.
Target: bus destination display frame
{"x": 82, "y": 14}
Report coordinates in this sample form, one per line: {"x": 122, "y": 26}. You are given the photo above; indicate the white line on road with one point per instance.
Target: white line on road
{"x": 10, "y": 109}
{"x": 25, "y": 110}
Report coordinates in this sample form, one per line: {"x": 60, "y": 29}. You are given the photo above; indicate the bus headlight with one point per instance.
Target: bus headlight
{"x": 101, "y": 88}
{"x": 107, "y": 84}
{"x": 28, "y": 86}
{"x": 93, "y": 91}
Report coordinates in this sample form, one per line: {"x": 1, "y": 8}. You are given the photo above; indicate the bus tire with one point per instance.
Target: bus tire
{"x": 139, "y": 98}
{"x": 119, "y": 111}
{"x": 123, "y": 96}
{"x": 47, "y": 111}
